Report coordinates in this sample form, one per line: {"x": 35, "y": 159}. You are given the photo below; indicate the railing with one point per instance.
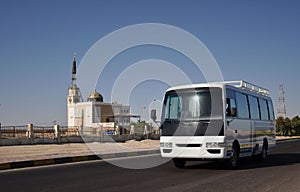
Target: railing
{"x": 43, "y": 132}
{"x": 69, "y": 131}
{"x": 13, "y": 131}
{"x": 29, "y": 134}
{"x": 37, "y": 131}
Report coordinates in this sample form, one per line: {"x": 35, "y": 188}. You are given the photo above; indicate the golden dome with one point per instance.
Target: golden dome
{"x": 95, "y": 96}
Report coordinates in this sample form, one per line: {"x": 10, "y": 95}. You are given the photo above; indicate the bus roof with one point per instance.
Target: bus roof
{"x": 238, "y": 84}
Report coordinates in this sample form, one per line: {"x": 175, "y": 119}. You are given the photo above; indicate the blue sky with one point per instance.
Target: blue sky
{"x": 253, "y": 40}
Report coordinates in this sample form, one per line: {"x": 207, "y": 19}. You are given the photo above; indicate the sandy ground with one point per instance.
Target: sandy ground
{"x": 36, "y": 152}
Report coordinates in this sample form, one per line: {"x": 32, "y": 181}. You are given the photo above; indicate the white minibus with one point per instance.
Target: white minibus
{"x": 217, "y": 121}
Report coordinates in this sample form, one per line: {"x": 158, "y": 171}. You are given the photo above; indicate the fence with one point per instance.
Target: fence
{"x": 29, "y": 134}
{"x": 43, "y": 132}
{"x": 13, "y": 131}
{"x": 66, "y": 131}
{"x": 38, "y": 131}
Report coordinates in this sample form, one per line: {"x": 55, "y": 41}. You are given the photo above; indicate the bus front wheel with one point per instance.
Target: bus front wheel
{"x": 233, "y": 162}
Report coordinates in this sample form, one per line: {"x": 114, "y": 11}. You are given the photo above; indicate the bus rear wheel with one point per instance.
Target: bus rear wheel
{"x": 179, "y": 163}
{"x": 264, "y": 152}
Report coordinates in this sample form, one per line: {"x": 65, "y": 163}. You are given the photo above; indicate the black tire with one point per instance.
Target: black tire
{"x": 179, "y": 163}
{"x": 264, "y": 152}
{"x": 233, "y": 162}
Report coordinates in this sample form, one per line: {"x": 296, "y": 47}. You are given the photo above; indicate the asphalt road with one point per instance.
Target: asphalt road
{"x": 281, "y": 172}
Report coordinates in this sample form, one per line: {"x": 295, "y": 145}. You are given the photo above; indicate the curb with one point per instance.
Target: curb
{"x": 286, "y": 139}
{"x": 62, "y": 160}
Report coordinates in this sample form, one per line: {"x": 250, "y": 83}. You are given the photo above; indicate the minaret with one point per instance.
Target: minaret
{"x": 74, "y": 92}
{"x": 74, "y": 70}
{"x": 73, "y": 97}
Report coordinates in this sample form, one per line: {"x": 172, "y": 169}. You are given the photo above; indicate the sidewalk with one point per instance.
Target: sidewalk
{"x": 34, "y": 155}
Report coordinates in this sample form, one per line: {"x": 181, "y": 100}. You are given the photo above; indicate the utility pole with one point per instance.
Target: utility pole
{"x": 142, "y": 114}
{"x": 281, "y": 110}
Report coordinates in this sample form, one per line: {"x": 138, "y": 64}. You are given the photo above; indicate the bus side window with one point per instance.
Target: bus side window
{"x": 264, "y": 114}
{"x": 254, "y": 108}
{"x": 230, "y": 107}
{"x": 271, "y": 110}
{"x": 228, "y": 112}
{"x": 242, "y": 106}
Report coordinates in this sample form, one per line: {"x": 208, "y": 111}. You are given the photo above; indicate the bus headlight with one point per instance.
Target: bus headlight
{"x": 214, "y": 145}
{"x": 166, "y": 145}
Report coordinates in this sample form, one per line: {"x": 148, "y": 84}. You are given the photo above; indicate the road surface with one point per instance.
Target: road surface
{"x": 281, "y": 172}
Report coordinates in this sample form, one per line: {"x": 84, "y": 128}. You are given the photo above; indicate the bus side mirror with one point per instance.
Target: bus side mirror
{"x": 233, "y": 112}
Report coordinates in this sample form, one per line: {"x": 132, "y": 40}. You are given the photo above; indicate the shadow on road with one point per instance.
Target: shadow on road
{"x": 250, "y": 163}
{"x": 272, "y": 161}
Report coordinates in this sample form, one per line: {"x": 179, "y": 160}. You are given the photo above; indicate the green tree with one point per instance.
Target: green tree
{"x": 288, "y": 127}
{"x": 295, "y": 124}
{"x": 280, "y": 126}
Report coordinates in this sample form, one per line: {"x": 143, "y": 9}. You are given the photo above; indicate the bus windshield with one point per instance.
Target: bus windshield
{"x": 193, "y": 105}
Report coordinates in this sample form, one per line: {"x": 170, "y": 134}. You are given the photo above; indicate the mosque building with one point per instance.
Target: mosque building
{"x": 94, "y": 112}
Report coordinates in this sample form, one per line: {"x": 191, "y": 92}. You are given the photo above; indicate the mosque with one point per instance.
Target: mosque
{"x": 94, "y": 112}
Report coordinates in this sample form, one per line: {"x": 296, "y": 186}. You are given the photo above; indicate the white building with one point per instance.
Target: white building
{"x": 94, "y": 112}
